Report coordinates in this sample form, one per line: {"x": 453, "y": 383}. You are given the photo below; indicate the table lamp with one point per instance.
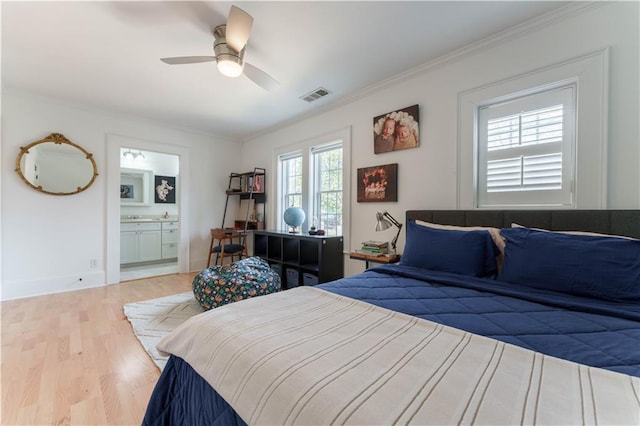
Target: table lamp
{"x": 385, "y": 220}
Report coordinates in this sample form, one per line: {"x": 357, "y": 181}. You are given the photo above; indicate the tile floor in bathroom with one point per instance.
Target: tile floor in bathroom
{"x": 145, "y": 271}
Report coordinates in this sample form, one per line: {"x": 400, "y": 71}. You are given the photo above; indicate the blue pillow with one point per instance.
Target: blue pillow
{"x": 461, "y": 252}
{"x": 595, "y": 266}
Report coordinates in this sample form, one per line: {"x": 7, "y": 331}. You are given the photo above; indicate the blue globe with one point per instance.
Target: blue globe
{"x": 294, "y": 217}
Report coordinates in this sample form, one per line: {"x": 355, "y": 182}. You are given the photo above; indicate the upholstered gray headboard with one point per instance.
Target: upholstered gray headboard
{"x": 617, "y": 222}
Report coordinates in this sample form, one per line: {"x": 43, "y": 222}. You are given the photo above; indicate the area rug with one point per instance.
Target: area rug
{"x": 153, "y": 319}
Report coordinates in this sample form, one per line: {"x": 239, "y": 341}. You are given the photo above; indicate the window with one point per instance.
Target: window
{"x": 584, "y": 165}
{"x": 292, "y": 183}
{"x": 327, "y": 179}
{"x": 525, "y": 150}
{"x": 313, "y": 178}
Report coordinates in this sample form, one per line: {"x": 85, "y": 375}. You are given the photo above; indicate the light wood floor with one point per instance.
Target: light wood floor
{"x": 72, "y": 358}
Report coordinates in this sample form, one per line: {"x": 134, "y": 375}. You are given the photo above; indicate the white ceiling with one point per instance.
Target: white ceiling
{"x": 106, "y": 54}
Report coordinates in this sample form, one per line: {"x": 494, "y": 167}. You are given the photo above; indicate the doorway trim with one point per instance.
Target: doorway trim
{"x": 112, "y": 237}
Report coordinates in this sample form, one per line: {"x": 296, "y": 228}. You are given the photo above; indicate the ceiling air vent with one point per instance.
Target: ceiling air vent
{"x": 316, "y": 94}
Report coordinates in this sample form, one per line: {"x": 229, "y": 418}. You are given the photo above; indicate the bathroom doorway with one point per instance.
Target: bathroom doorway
{"x": 138, "y": 217}
{"x": 149, "y": 219}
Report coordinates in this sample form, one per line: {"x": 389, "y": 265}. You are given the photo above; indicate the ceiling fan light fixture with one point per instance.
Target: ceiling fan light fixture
{"x": 230, "y": 62}
{"x": 230, "y": 57}
{"x": 230, "y": 65}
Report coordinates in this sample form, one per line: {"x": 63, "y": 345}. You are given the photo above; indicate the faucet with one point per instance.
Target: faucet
{"x": 166, "y": 215}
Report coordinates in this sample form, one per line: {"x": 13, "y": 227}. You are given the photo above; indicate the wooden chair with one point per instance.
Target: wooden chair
{"x": 223, "y": 245}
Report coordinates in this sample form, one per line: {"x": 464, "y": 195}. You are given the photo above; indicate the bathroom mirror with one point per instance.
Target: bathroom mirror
{"x": 56, "y": 166}
{"x": 135, "y": 187}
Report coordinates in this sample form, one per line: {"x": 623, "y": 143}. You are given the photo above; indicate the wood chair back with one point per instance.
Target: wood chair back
{"x": 226, "y": 242}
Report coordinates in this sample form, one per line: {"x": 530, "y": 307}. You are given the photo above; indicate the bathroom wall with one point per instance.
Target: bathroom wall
{"x": 159, "y": 164}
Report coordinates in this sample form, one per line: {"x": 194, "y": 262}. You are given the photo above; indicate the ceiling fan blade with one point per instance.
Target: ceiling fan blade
{"x": 260, "y": 77}
{"x": 238, "y": 28}
{"x": 187, "y": 60}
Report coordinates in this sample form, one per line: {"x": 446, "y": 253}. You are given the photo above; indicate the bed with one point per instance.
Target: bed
{"x": 545, "y": 330}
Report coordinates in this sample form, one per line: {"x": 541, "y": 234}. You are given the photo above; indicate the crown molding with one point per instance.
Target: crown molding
{"x": 535, "y": 24}
{"x": 115, "y": 114}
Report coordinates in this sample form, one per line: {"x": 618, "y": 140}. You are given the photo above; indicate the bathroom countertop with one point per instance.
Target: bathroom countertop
{"x": 148, "y": 219}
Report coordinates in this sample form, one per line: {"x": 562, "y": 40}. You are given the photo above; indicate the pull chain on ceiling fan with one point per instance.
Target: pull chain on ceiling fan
{"x": 229, "y": 48}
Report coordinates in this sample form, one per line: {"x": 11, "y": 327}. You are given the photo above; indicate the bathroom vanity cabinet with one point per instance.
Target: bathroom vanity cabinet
{"x": 148, "y": 241}
{"x": 140, "y": 242}
{"x": 169, "y": 240}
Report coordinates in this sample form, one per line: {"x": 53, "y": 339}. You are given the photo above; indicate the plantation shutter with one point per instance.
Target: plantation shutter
{"x": 525, "y": 150}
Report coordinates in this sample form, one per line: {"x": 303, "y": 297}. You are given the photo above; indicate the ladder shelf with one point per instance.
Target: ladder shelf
{"x": 247, "y": 186}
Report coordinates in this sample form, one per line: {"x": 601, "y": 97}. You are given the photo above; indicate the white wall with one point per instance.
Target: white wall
{"x": 48, "y": 241}
{"x": 428, "y": 174}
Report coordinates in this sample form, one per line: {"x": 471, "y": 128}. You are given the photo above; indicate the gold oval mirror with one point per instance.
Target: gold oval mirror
{"x": 57, "y": 166}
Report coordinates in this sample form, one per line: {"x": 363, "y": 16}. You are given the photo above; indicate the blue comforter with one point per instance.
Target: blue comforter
{"x": 598, "y": 333}
{"x": 592, "y": 332}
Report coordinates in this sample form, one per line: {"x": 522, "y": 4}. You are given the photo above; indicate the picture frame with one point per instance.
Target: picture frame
{"x": 164, "y": 189}
{"x": 378, "y": 183}
{"x": 127, "y": 192}
{"x": 397, "y": 130}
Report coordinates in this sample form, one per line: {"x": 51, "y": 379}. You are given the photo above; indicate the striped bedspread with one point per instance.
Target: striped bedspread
{"x": 306, "y": 356}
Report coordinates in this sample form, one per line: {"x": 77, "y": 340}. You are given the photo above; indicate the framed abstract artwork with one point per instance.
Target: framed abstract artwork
{"x": 165, "y": 189}
{"x": 378, "y": 183}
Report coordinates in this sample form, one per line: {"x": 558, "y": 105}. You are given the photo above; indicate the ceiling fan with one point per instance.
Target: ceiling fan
{"x": 229, "y": 48}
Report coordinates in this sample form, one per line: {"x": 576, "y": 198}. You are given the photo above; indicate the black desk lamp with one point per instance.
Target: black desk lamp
{"x": 385, "y": 220}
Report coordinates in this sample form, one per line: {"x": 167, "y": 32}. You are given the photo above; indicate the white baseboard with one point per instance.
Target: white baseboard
{"x": 16, "y": 289}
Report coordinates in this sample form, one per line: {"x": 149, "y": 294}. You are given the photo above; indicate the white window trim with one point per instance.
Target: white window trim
{"x": 591, "y": 74}
{"x": 304, "y": 147}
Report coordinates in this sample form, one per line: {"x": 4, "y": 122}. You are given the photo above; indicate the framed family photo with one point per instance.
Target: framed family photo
{"x": 396, "y": 130}
{"x": 378, "y": 183}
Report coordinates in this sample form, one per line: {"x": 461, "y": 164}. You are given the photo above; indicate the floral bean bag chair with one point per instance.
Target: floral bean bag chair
{"x": 239, "y": 280}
